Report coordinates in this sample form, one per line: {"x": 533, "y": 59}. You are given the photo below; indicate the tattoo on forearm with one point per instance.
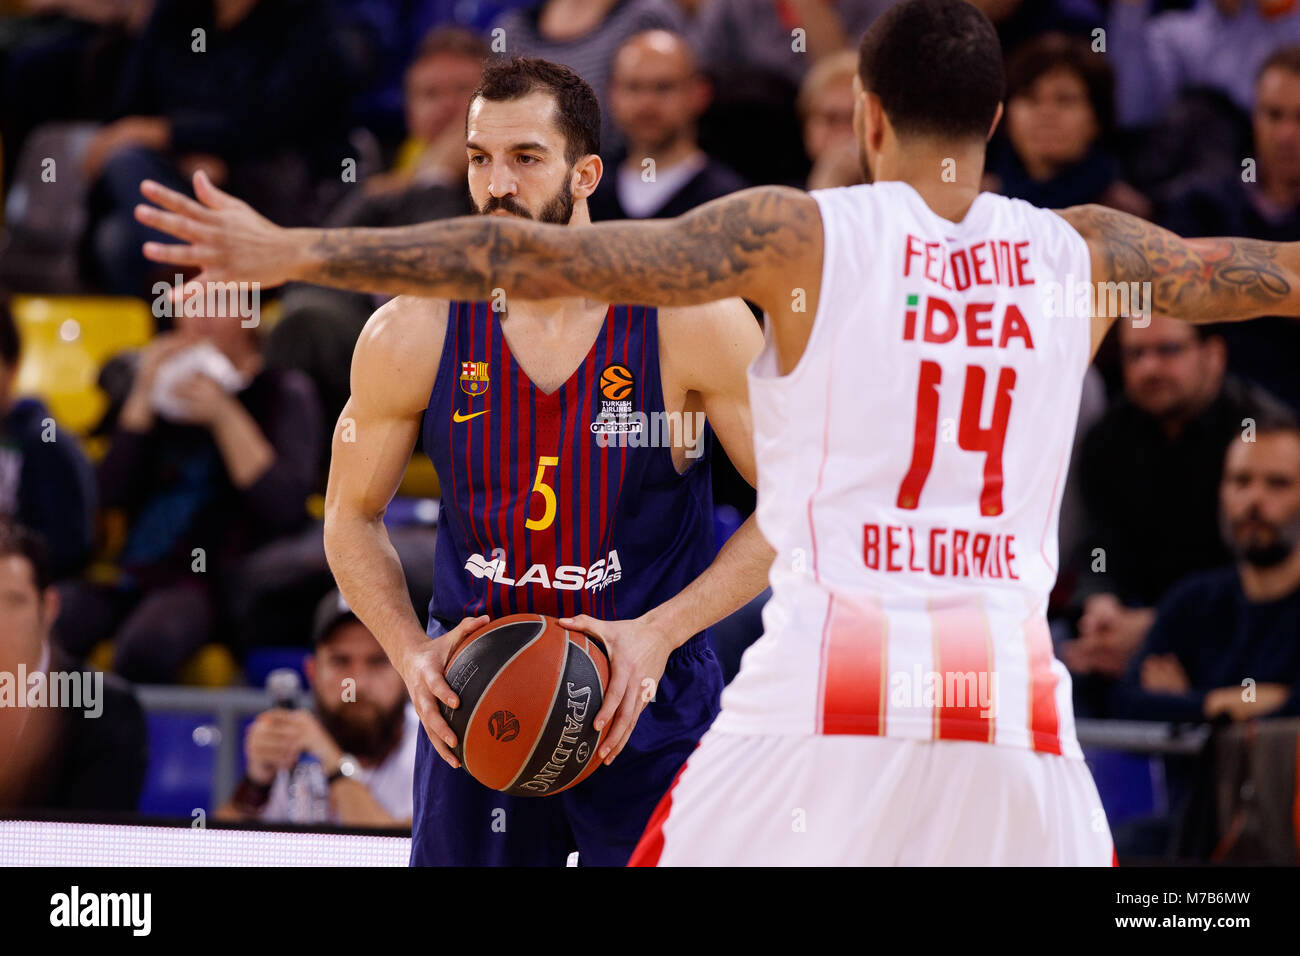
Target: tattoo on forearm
{"x": 1192, "y": 278}
{"x": 701, "y": 256}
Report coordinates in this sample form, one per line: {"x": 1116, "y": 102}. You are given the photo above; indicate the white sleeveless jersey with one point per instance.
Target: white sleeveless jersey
{"x": 910, "y": 477}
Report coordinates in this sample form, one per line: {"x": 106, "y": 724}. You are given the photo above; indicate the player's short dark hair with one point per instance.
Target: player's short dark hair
{"x": 10, "y": 347}
{"x": 17, "y": 539}
{"x": 1058, "y": 51}
{"x": 577, "y": 109}
{"x": 936, "y": 66}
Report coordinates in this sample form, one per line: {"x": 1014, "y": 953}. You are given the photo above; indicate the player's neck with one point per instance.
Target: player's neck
{"x": 554, "y": 316}
{"x": 946, "y": 177}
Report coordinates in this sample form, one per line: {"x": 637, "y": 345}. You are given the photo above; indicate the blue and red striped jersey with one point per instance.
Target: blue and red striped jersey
{"x": 567, "y": 503}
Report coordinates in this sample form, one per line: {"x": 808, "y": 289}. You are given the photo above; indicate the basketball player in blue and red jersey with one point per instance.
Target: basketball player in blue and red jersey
{"x": 904, "y": 703}
{"x": 548, "y": 504}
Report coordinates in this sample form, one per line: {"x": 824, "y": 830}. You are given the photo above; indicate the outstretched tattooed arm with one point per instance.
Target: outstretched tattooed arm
{"x": 1197, "y": 280}
{"x": 741, "y": 245}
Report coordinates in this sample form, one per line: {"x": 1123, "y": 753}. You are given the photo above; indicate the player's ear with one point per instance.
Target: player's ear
{"x": 997, "y": 118}
{"x": 586, "y": 176}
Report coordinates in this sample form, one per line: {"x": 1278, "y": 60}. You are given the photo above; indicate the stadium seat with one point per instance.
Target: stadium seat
{"x": 420, "y": 480}
{"x": 260, "y": 661}
{"x": 179, "y": 775}
{"x": 212, "y": 665}
{"x": 65, "y": 341}
{"x": 1130, "y": 785}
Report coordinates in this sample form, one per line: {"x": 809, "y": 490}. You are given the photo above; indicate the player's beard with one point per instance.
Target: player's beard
{"x": 1262, "y": 549}
{"x": 365, "y": 730}
{"x": 557, "y": 210}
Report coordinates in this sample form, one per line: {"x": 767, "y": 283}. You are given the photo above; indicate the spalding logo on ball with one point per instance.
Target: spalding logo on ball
{"x": 529, "y": 693}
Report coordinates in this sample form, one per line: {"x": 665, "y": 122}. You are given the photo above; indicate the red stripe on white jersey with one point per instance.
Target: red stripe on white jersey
{"x": 854, "y": 674}
{"x": 963, "y": 668}
{"x": 1044, "y": 722}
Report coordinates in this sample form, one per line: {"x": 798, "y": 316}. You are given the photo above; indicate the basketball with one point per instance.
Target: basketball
{"x": 529, "y": 693}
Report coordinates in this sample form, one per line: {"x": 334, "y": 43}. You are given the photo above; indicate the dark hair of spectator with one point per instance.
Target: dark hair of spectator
{"x": 1056, "y": 51}
{"x": 1273, "y": 418}
{"x": 577, "y": 111}
{"x": 1287, "y": 58}
{"x": 9, "y": 345}
{"x": 15, "y": 539}
{"x": 454, "y": 41}
{"x": 936, "y": 66}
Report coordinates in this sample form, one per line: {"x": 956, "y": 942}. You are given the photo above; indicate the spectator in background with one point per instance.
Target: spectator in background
{"x": 758, "y": 35}
{"x": 318, "y": 328}
{"x": 355, "y": 753}
{"x": 584, "y": 35}
{"x": 45, "y": 481}
{"x": 1217, "y": 44}
{"x": 1058, "y": 120}
{"x": 1149, "y": 479}
{"x": 1227, "y": 641}
{"x": 826, "y": 112}
{"x": 88, "y": 753}
{"x": 1259, "y": 202}
{"x": 258, "y": 100}
{"x": 657, "y": 95}
{"x": 206, "y": 473}
{"x": 437, "y": 88}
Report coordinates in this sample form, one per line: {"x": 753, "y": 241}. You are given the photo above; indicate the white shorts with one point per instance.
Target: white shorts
{"x": 876, "y": 801}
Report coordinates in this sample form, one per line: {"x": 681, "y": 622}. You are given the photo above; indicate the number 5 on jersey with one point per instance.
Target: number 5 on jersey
{"x": 546, "y": 491}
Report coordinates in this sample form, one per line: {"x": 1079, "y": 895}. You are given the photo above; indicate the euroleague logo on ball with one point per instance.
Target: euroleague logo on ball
{"x": 616, "y": 383}
{"x": 504, "y": 726}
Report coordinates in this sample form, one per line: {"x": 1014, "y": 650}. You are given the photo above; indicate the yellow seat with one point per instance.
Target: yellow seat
{"x": 420, "y": 480}
{"x": 65, "y": 342}
{"x": 212, "y": 665}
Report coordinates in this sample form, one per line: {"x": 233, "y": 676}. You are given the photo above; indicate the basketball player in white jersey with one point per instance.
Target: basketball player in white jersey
{"x": 913, "y": 414}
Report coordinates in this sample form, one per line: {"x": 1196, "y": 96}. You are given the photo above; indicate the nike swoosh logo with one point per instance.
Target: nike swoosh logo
{"x": 456, "y": 416}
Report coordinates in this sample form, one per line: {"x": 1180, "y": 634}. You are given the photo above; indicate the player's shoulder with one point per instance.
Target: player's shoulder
{"x": 699, "y": 325}
{"x": 405, "y": 322}
{"x": 706, "y": 340}
{"x": 400, "y": 348}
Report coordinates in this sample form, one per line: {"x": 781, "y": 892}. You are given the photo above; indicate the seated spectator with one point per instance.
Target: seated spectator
{"x": 354, "y": 755}
{"x": 1149, "y": 478}
{"x": 583, "y": 35}
{"x": 1217, "y": 44}
{"x": 1052, "y": 152}
{"x": 759, "y": 35}
{"x": 1224, "y": 642}
{"x": 206, "y": 473}
{"x": 260, "y": 107}
{"x": 1263, "y": 203}
{"x": 45, "y": 481}
{"x": 81, "y": 744}
{"x": 436, "y": 90}
{"x": 826, "y": 114}
{"x": 657, "y": 94}
{"x": 319, "y": 327}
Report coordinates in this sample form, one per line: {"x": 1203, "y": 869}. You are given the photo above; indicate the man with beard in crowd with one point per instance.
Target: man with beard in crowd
{"x": 350, "y": 760}
{"x": 1227, "y": 641}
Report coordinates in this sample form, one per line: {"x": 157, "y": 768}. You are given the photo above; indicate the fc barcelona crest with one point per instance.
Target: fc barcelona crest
{"x": 474, "y": 377}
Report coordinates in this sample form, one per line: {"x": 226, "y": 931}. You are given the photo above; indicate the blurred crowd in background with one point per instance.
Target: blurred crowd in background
{"x": 1180, "y": 537}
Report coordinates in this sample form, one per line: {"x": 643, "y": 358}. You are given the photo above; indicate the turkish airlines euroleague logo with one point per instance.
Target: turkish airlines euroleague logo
{"x": 616, "y": 383}
{"x": 504, "y": 726}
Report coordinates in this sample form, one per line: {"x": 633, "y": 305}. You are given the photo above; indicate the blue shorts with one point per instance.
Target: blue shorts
{"x": 459, "y": 822}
